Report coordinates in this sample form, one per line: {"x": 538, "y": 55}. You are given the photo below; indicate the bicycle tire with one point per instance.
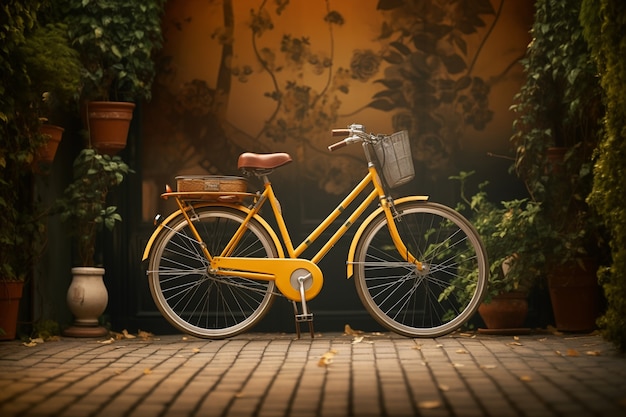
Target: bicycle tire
{"x": 429, "y": 303}
{"x": 197, "y": 302}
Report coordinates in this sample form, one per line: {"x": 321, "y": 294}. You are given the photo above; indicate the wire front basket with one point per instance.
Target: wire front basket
{"x": 394, "y": 155}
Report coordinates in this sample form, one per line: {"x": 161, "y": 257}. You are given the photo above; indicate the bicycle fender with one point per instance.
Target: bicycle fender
{"x": 366, "y": 222}
{"x": 157, "y": 231}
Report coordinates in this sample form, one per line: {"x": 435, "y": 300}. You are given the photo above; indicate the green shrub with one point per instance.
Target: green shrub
{"x": 604, "y": 28}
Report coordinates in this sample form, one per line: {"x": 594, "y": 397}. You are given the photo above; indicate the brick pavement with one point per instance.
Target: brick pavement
{"x": 333, "y": 375}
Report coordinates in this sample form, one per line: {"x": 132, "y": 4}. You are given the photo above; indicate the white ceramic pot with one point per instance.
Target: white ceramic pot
{"x": 87, "y": 298}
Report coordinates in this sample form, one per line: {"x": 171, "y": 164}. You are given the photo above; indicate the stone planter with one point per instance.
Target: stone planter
{"x": 87, "y": 298}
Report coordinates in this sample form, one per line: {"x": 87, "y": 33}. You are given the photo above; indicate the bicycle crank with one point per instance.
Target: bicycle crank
{"x": 297, "y": 279}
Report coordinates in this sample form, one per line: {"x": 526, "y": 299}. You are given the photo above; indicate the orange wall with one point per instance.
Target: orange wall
{"x": 212, "y": 99}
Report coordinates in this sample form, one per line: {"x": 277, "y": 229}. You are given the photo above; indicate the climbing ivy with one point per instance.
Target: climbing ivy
{"x": 604, "y": 24}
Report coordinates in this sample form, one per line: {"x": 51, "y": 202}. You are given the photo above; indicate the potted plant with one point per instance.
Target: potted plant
{"x": 85, "y": 210}
{"x": 513, "y": 235}
{"x": 560, "y": 105}
{"x": 21, "y": 228}
{"x": 116, "y": 40}
{"x": 20, "y": 246}
{"x": 21, "y": 234}
{"x": 54, "y": 71}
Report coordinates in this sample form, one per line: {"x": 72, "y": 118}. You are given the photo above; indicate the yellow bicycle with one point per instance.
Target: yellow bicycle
{"x": 215, "y": 265}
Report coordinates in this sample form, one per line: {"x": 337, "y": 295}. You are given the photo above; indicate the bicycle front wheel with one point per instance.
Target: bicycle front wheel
{"x": 191, "y": 298}
{"x": 433, "y": 301}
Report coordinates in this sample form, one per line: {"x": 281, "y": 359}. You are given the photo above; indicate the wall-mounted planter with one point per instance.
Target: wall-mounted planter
{"x": 108, "y": 123}
{"x": 47, "y": 152}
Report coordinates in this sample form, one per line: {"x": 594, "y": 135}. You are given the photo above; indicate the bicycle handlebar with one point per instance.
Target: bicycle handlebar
{"x": 354, "y": 133}
{"x": 341, "y": 132}
{"x": 338, "y": 145}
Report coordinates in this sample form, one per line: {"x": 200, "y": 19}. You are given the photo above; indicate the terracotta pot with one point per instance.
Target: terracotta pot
{"x": 87, "y": 299}
{"x": 10, "y": 295}
{"x": 108, "y": 123}
{"x": 505, "y": 311}
{"x": 575, "y": 296}
{"x": 47, "y": 152}
{"x": 556, "y": 157}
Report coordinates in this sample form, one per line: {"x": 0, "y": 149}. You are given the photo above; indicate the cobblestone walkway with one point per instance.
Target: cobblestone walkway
{"x": 332, "y": 375}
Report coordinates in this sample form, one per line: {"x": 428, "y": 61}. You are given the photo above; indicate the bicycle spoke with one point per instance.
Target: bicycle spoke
{"x": 420, "y": 302}
{"x": 196, "y": 301}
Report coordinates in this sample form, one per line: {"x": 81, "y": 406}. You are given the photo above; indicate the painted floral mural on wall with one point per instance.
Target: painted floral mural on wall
{"x": 285, "y": 73}
{"x": 429, "y": 83}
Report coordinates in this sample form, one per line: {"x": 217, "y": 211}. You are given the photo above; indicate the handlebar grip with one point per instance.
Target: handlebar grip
{"x": 341, "y": 132}
{"x": 337, "y": 145}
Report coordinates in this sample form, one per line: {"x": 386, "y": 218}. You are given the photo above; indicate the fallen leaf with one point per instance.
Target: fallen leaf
{"x": 418, "y": 346}
{"x": 554, "y": 331}
{"x": 429, "y": 404}
{"x": 196, "y": 350}
{"x": 357, "y": 339}
{"x": 325, "y": 361}
{"x": 147, "y": 371}
{"x": 145, "y": 335}
{"x": 525, "y": 378}
{"x": 30, "y": 344}
{"x": 184, "y": 338}
{"x": 37, "y": 340}
{"x": 327, "y": 358}
{"x": 462, "y": 351}
{"x": 488, "y": 366}
{"x": 458, "y": 365}
{"x": 444, "y": 387}
{"x": 128, "y": 335}
{"x": 572, "y": 352}
{"x": 116, "y": 335}
{"x": 515, "y": 344}
{"x": 558, "y": 352}
{"x": 106, "y": 342}
{"x": 592, "y": 353}
{"x": 351, "y": 332}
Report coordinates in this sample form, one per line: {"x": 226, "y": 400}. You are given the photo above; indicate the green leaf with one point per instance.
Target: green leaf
{"x": 116, "y": 51}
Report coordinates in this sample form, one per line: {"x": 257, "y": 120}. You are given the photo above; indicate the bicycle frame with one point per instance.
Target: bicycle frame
{"x": 216, "y": 264}
{"x": 278, "y": 269}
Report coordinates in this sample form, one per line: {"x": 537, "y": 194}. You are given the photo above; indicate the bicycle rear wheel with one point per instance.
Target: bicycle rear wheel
{"x": 191, "y": 298}
{"x": 440, "y": 298}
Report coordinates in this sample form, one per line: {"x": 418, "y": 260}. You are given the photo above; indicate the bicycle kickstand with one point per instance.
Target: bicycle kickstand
{"x": 306, "y": 316}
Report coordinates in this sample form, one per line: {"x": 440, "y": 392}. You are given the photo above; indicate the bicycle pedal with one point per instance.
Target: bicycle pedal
{"x": 304, "y": 318}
